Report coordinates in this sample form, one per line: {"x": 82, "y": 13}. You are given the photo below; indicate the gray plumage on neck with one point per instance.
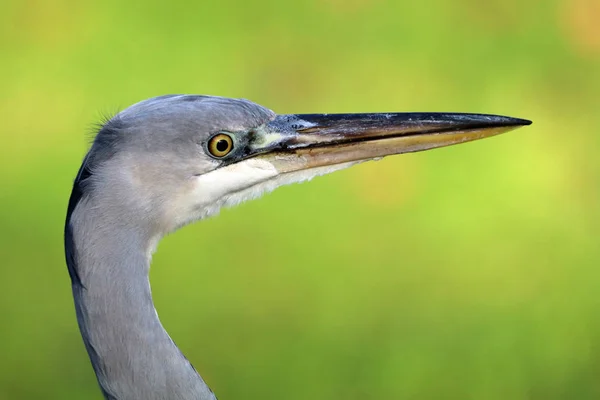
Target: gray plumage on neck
{"x": 132, "y": 355}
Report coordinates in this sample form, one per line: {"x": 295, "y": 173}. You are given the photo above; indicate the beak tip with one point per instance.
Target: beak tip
{"x": 501, "y": 120}
{"x": 522, "y": 122}
{"x": 504, "y": 121}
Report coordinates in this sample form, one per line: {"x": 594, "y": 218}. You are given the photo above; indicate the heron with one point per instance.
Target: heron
{"x": 171, "y": 160}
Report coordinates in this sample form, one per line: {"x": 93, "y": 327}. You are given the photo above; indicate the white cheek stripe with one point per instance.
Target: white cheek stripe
{"x": 235, "y": 184}
{"x": 211, "y": 187}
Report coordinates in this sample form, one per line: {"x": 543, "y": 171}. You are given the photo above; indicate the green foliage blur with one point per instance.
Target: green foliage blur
{"x": 469, "y": 272}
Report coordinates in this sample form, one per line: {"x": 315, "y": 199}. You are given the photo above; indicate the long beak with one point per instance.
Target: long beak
{"x": 295, "y": 142}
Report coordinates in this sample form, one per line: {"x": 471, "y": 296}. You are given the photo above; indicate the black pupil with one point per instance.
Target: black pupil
{"x": 222, "y": 145}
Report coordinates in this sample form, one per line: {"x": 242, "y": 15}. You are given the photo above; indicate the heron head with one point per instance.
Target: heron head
{"x": 171, "y": 160}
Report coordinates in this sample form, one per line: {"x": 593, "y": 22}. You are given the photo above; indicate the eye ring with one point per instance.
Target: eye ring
{"x": 220, "y": 145}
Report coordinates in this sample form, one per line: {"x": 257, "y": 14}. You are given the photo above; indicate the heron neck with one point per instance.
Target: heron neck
{"x": 132, "y": 354}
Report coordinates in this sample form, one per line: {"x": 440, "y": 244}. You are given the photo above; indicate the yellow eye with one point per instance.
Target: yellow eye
{"x": 220, "y": 145}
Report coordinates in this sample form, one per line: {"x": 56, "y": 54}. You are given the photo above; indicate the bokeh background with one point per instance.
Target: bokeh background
{"x": 469, "y": 272}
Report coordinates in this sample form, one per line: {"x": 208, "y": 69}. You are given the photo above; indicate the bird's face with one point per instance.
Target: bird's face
{"x": 188, "y": 156}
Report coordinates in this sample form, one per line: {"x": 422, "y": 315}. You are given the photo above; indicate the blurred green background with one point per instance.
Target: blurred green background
{"x": 469, "y": 272}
